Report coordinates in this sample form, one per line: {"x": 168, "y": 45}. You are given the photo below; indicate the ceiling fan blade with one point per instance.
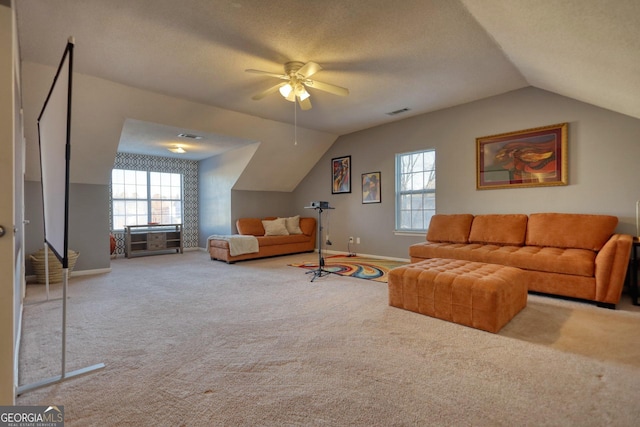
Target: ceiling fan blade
{"x": 309, "y": 69}
{"x": 269, "y": 91}
{"x": 305, "y": 104}
{"x": 267, "y": 73}
{"x": 327, "y": 87}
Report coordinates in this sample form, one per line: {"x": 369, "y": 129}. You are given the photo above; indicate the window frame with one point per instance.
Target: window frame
{"x": 399, "y": 193}
{"x": 149, "y": 200}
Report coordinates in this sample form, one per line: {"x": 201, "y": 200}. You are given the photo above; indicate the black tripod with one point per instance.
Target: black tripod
{"x": 320, "y": 271}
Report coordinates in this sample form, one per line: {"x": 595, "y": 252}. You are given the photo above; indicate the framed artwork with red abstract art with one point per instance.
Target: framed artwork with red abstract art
{"x": 526, "y": 158}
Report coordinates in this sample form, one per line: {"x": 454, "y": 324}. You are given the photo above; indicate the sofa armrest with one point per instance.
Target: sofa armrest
{"x": 308, "y": 226}
{"x": 612, "y": 262}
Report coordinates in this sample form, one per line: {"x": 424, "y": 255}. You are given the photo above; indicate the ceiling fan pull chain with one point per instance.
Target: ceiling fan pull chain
{"x": 295, "y": 122}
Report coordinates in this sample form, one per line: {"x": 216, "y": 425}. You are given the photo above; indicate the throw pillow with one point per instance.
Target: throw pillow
{"x": 276, "y": 227}
{"x": 293, "y": 224}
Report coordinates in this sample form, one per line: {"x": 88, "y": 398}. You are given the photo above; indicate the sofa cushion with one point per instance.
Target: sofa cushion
{"x": 282, "y": 240}
{"x": 509, "y": 229}
{"x": 293, "y": 224}
{"x": 275, "y": 227}
{"x": 450, "y": 228}
{"x": 250, "y": 226}
{"x": 579, "y": 262}
{"x": 579, "y": 231}
{"x": 445, "y": 250}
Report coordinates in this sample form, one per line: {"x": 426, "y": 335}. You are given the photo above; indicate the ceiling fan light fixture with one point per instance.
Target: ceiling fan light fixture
{"x": 285, "y": 90}
{"x": 297, "y": 79}
{"x": 301, "y": 92}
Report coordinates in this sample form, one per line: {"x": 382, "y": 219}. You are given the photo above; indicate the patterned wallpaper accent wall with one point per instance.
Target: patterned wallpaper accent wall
{"x": 189, "y": 171}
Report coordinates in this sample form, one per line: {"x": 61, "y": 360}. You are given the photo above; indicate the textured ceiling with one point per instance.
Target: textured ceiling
{"x": 423, "y": 55}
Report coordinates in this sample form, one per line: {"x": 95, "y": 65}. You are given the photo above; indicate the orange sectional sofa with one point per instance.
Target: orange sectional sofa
{"x": 571, "y": 255}
{"x": 302, "y": 240}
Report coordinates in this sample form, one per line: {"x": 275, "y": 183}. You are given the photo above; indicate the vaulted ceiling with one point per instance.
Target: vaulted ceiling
{"x": 420, "y": 55}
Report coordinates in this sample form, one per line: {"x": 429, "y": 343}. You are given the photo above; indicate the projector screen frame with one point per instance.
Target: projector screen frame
{"x": 54, "y": 181}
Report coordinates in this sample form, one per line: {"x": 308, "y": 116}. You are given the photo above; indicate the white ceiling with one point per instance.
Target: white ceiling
{"x": 423, "y": 55}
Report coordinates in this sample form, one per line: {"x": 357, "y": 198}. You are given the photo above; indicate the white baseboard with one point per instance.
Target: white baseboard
{"x": 90, "y": 272}
{"x": 32, "y": 277}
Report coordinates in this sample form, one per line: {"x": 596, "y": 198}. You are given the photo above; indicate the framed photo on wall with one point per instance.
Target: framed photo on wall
{"x": 527, "y": 158}
{"x": 341, "y": 175}
{"x": 371, "y": 187}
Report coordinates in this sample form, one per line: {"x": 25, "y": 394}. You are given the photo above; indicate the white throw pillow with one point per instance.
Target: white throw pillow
{"x": 276, "y": 227}
{"x": 293, "y": 224}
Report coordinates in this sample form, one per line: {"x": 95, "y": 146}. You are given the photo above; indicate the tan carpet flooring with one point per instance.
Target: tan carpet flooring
{"x": 192, "y": 342}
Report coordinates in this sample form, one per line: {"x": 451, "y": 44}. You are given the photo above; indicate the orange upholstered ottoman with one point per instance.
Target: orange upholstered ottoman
{"x": 483, "y": 296}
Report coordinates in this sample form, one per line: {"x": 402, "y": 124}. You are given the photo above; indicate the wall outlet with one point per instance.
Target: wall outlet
{"x": 357, "y": 240}
{"x": 350, "y": 239}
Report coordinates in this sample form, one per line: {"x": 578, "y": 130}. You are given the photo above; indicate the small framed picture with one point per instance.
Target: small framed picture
{"x": 341, "y": 175}
{"x": 371, "y": 187}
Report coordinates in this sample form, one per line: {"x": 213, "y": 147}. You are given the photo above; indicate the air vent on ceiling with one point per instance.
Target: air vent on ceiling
{"x": 402, "y": 110}
{"x": 189, "y": 135}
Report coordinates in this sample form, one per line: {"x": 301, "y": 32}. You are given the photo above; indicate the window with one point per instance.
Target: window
{"x": 415, "y": 190}
{"x": 142, "y": 197}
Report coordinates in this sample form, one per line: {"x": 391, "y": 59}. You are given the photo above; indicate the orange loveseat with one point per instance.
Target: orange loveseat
{"x": 302, "y": 240}
{"x": 571, "y": 255}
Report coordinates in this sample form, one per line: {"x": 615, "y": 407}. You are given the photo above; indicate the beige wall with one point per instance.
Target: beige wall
{"x": 216, "y": 177}
{"x": 8, "y": 291}
{"x": 88, "y": 219}
{"x": 604, "y": 148}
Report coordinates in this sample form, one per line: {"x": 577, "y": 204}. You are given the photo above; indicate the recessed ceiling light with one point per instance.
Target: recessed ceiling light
{"x": 177, "y": 149}
{"x": 189, "y": 135}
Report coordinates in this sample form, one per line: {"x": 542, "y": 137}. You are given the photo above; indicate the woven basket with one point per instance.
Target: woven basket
{"x": 55, "y": 266}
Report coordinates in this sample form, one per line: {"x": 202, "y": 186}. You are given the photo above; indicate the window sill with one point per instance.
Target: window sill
{"x": 410, "y": 233}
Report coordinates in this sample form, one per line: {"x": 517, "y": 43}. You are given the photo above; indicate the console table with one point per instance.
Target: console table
{"x": 142, "y": 240}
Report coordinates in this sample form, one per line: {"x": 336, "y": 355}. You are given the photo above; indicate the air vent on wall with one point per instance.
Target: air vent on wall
{"x": 402, "y": 110}
{"x": 189, "y": 135}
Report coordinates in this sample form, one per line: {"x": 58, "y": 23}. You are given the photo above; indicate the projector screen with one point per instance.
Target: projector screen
{"x": 54, "y": 129}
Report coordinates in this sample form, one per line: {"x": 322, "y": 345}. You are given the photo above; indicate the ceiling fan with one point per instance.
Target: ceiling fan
{"x": 297, "y": 79}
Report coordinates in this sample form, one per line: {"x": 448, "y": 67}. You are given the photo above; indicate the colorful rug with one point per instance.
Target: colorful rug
{"x": 355, "y": 266}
